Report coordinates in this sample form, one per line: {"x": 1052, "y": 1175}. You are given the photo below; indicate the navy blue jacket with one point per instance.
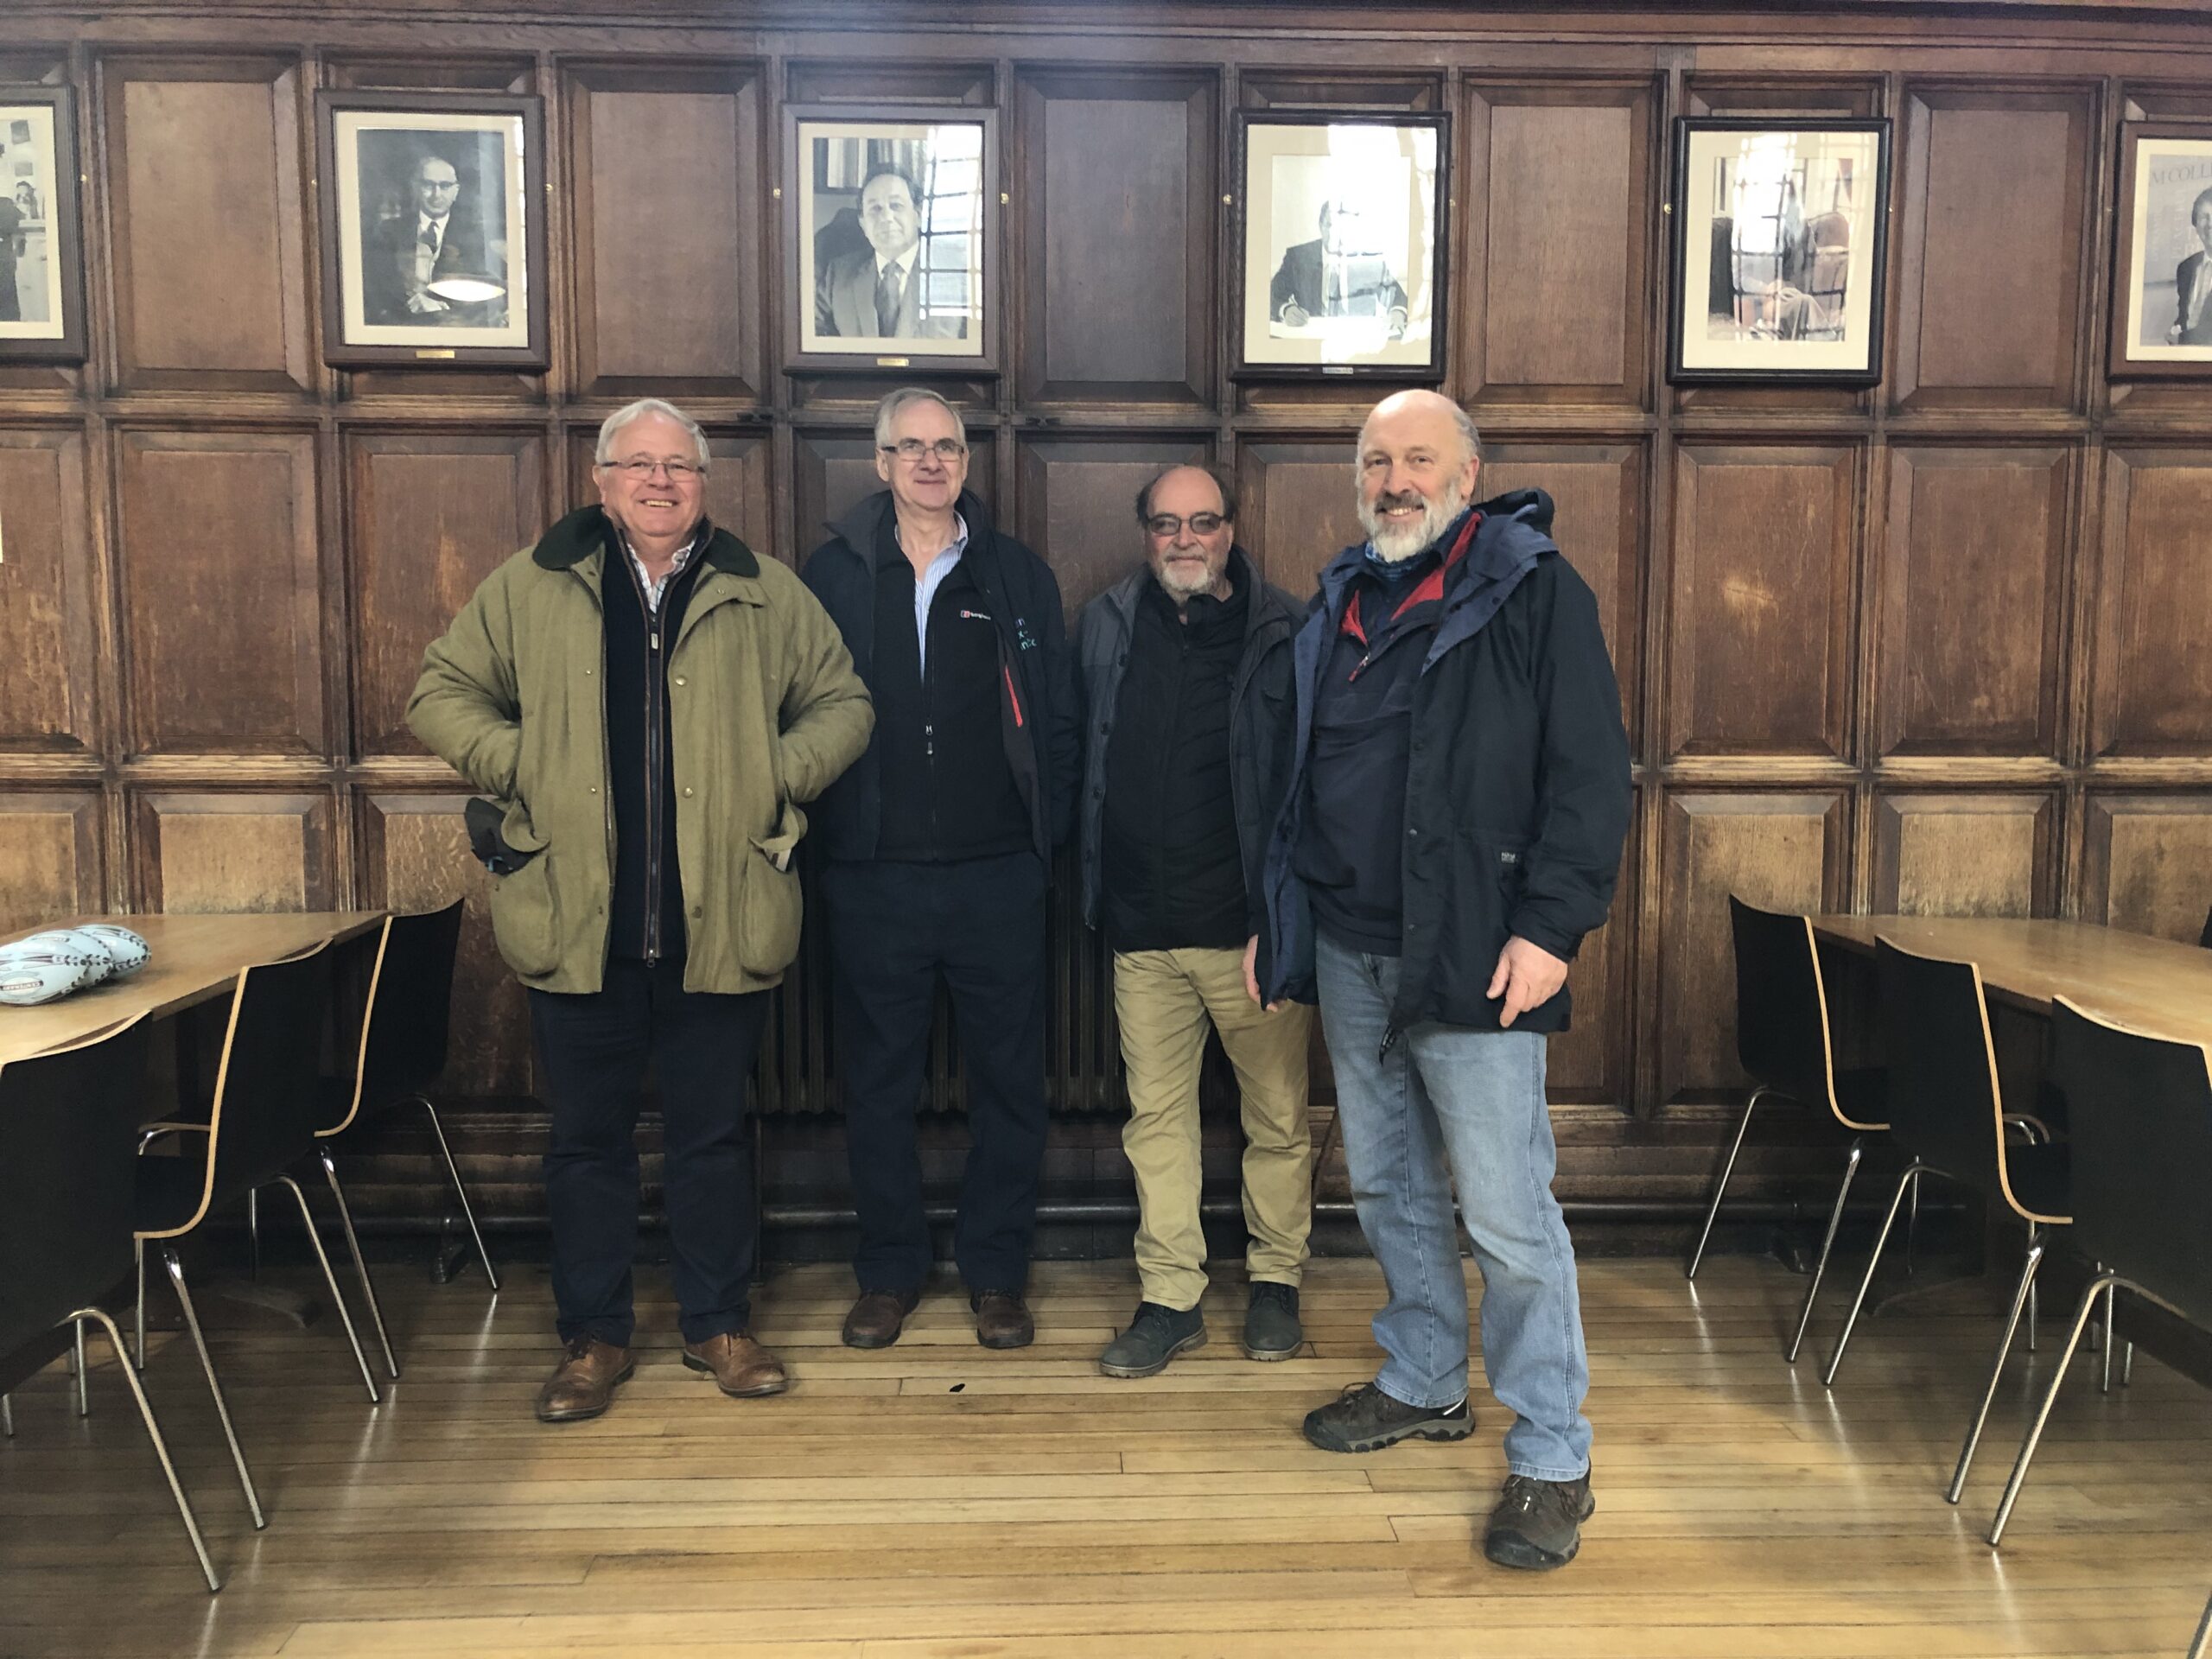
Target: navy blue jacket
{"x": 1517, "y": 793}
{"x": 1037, "y": 696}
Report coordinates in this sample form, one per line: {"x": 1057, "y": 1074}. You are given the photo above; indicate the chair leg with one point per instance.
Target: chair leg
{"x": 253, "y": 1231}
{"x": 7, "y": 1416}
{"x": 1828, "y": 1245}
{"x": 1912, "y": 1174}
{"x": 2111, "y": 1338}
{"x": 2203, "y": 1646}
{"x": 78, "y": 1367}
{"x": 1721, "y": 1187}
{"x": 1996, "y": 1371}
{"x": 154, "y": 1433}
{"x": 360, "y": 1262}
{"x": 468, "y": 1214}
{"x": 138, "y": 1308}
{"x": 214, "y": 1387}
{"x": 2042, "y": 1412}
{"x": 330, "y": 1280}
{"x": 2127, "y": 1366}
{"x": 1911, "y": 1229}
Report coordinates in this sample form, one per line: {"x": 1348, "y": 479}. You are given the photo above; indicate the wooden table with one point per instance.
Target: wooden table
{"x": 196, "y": 958}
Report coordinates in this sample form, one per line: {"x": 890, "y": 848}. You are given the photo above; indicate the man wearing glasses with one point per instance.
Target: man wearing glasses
{"x": 1187, "y": 678}
{"x": 939, "y": 843}
{"x": 646, "y": 701}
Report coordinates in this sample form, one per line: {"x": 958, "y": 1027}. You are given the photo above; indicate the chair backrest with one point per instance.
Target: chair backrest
{"x": 2139, "y": 1113}
{"x": 2205, "y": 937}
{"x": 68, "y": 1124}
{"x": 410, "y": 1010}
{"x": 1781, "y": 1021}
{"x": 263, "y": 1119}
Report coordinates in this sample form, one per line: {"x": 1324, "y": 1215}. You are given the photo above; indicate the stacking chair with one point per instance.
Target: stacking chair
{"x": 403, "y": 1015}
{"x": 259, "y": 1126}
{"x": 2140, "y": 1110}
{"x": 2203, "y": 1646}
{"x": 1783, "y": 1040}
{"x": 1946, "y": 1112}
{"x": 66, "y": 1124}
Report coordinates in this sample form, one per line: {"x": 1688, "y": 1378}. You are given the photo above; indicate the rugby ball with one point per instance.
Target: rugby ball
{"x": 128, "y": 951}
{"x": 46, "y": 966}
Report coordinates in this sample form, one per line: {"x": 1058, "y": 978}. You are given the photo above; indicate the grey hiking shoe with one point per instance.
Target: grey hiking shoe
{"x": 1538, "y": 1523}
{"x": 1271, "y": 1327}
{"x": 1364, "y": 1418}
{"x": 1154, "y": 1337}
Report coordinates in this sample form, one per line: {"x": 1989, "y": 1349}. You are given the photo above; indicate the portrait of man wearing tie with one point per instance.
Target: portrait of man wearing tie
{"x": 1339, "y": 273}
{"x": 2192, "y": 324}
{"x": 878, "y": 291}
{"x": 438, "y": 237}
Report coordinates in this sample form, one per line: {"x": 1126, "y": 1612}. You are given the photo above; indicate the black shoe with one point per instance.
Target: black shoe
{"x": 1154, "y": 1337}
{"x": 1271, "y": 1327}
{"x": 1364, "y": 1418}
{"x": 1538, "y": 1523}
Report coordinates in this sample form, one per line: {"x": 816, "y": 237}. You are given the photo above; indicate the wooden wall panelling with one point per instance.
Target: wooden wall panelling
{"x": 49, "y": 591}
{"x": 1779, "y": 850}
{"x": 1991, "y": 309}
{"x": 195, "y": 852}
{"x": 1589, "y": 1064}
{"x": 414, "y": 857}
{"x": 2147, "y": 862}
{"x": 428, "y": 515}
{"x": 1297, "y": 505}
{"x": 50, "y": 855}
{"x": 1760, "y": 630}
{"x": 835, "y": 470}
{"x": 1553, "y": 282}
{"x": 1271, "y": 88}
{"x": 1966, "y": 854}
{"x": 666, "y": 164}
{"x": 2151, "y": 666}
{"x": 1117, "y": 186}
{"x": 739, "y": 488}
{"x": 1078, "y": 505}
{"x": 1970, "y": 595}
{"x": 222, "y": 595}
{"x": 209, "y": 253}
{"x": 889, "y": 80}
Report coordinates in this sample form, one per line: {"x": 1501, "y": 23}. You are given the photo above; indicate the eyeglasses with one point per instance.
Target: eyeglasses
{"x": 1164, "y": 524}
{"x": 679, "y": 471}
{"x": 913, "y": 449}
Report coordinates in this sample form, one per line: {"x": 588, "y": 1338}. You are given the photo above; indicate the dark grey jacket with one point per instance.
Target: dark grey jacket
{"x": 1262, "y": 703}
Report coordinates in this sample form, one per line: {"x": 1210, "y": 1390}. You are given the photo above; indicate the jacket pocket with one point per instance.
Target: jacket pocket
{"x": 770, "y": 905}
{"x": 525, "y": 918}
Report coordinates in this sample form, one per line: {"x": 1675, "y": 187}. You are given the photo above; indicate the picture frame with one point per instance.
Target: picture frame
{"x": 892, "y": 215}
{"x": 1779, "y": 251}
{"x": 432, "y": 217}
{"x": 2162, "y": 264}
{"x": 42, "y": 241}
{"x": 1340, "y": 243}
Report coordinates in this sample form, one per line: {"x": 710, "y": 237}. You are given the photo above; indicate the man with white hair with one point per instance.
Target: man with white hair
{"x": 1452, "y": 829}
{"x": 647, "y": 702}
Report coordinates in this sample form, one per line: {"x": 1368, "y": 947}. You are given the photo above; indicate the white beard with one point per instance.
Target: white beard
{"x": 1395, "y": 546}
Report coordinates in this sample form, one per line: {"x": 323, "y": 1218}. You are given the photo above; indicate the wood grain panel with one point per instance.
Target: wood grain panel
{"x": 1971, "y": 589}
{"x": 1994, "y": 220}
{"x": 2151, "y": 675}
{"x": 50, "y": 855}
{"x": 836, "y": 471}
{"x": 1119, "y": 179}
{"x": 1078, "y": 506}
{"x": 222, "y": 607}
{"x": 48, "y": 594}
{"x": 414, "y": 857}
{"x": 1557, "y": 267}
{"x": 1588, "y": 1064}
{"x": 2147, "y": 862}
{"x": 205, "y": 202}
{"x": 1760, "y": 629}
{"x": 1297, "y": 507}
{"x": 738, "y": 492}
{"x": 430, "y": 515}
{"x": 194, "y": 853}
{"x": 667, "y": 172}
{"x": 1963, "y": 854}
{"x": 1781, "y": 852}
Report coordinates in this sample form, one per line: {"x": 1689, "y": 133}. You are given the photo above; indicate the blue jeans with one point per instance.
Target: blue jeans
{"x": 1448, "y": 1107}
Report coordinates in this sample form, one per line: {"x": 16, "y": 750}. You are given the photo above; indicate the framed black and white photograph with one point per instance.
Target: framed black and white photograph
{"x": 2162, "y": 293}
{"x": 1781, "y": 231}
{"x": 42, "y": 263}
{"x": 1342, "y": 244}
{"x": 890, "y": 216}
{"x": 433, "y": 228}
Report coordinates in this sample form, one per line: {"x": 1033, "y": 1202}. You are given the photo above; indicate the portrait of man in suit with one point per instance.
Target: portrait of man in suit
{"x": 1341, "y": 273}
{"x": 2192, "y": 323}
{"x": 878, "y": 291}
{"x": 437, "y": 237}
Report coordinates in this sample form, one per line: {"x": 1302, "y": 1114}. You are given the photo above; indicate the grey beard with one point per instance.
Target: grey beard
{"x": 1396, "y": 546}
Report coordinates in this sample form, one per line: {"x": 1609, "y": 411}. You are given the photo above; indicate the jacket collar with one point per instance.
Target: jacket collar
{"x": 1123, "y": 595}
{"x": 1515, "y": 532}
{"x": 588, "y": 530}
{"x": 865, "y": 526}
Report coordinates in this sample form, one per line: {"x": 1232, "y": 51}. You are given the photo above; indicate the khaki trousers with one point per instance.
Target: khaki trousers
{"x": 1164, "y": 1000}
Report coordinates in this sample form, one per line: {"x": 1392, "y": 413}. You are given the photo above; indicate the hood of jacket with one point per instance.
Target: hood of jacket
{"x": 589, "y": 530}
{"x": 860, "y": 527}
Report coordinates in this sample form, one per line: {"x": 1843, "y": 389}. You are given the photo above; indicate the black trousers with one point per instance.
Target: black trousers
{"x": 894, "y": 928}
{"x": 595, "y": 1048}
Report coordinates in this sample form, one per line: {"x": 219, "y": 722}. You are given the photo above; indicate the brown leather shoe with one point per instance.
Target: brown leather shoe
{"x": 878, "y": 1317}
{"x": 1002, "y": 1319}
{"x": 583, "y": 1384}
{"x": 740, "y": 1367}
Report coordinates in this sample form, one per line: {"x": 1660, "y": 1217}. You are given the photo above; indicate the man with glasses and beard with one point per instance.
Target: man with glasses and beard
{"x": 1452, "y": 829}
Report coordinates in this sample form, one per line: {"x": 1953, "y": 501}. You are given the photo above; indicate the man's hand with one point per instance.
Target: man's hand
{"x": 424, "y": 304}
{"x": 1252, "y": 972}
{"x": 1293, "y": 316}
{"x": 1526, "y": 975}
{"x": 1397, "y": 322}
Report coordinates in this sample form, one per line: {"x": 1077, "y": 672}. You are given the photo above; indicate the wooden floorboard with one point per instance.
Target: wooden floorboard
{"x": 935, "y": 1501}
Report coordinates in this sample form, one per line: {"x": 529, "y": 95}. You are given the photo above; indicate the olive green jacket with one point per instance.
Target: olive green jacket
{"x": 763, "y": 712}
